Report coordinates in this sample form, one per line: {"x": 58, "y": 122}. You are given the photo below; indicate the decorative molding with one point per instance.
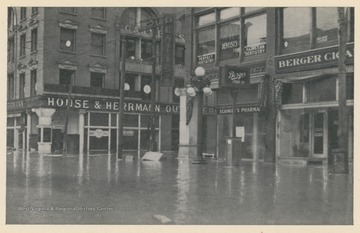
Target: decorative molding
{"x": 33, "y": 23}
{"x": 21, "y": 66}
{"x": 98, "y": 29}
{"x": 21, "y": 28}
{"x": 33, "y": 63}
{"x": 69, "y": 23}
{"x": 68, "y": 65}
{"x": 99, "y": 68}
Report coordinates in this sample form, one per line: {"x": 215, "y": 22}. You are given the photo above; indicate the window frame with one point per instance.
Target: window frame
{"x": 22, "y": 45}
{"x": 73, "y": 42}
{"x": 95, "y": 47}
{"x": 223, "y": 22}
{"x": 103, "y": 15}
{"x": 61, "y": 77}
{"x": 11, "y": 50}
{"x": 22, "y": 13}
{"x": 313, "y": 33}
{"x": 33, "y": 80}
{"x": 34, "y": 36}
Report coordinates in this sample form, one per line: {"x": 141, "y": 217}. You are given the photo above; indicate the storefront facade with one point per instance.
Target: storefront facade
{"x": 44, "y": 77}
{"x": 307, "y": 84}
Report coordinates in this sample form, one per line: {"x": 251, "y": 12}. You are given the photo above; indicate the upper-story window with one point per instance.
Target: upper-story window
{"x": 318, "y": 28}
{"x": 98, "y": 12}
{"x": 22, "y": 13}
{"x": 11, "y": 86}
{"x": 179, "y": 55}
{"x": 230, "y": 33}
{"x": 11, "y": 17}
{"x": 97, "y": 79}
{"x": 21, "y": 85}
{"x": 98, "y": 41}
{"x": 67, "y": 39}
{"x": 22, "y": 44}
{"x": 11, "y": 50}
{"x": 34, "y": 40}
{"x": 70, "y": 10}
{"x": 34, "y": 10}
{"x": 66, "y": 76}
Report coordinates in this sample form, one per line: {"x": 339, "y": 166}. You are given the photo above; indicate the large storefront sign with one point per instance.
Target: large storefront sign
{"x": 319, "y": 58}
{"x": 228, "y": 110}
{"x": 89, "y": 104}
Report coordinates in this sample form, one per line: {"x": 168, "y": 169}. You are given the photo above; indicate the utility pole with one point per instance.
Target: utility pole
{"x": 343, "y": 113}
{"x": 65, "y": 141}
{"x": 121, "y": 99}
{"x": 153, "y": 90}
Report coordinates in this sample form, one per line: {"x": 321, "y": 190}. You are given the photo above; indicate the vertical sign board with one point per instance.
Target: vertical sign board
{"x": 233, "y": 77}
{"x": 167, "y": 50}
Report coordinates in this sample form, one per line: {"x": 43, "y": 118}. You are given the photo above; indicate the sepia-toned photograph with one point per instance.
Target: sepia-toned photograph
{"x": 154, "y": 115}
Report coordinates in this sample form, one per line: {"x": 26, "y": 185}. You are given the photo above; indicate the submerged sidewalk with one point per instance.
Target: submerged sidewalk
{"x": 98, "y": 189}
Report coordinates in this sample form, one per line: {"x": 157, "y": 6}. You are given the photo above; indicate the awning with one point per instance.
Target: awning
{"x": 302, "y": 79}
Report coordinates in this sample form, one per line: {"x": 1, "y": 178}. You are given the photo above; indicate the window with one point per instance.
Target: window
{"x": 67, "y": 39}
{"x": 22, "y": 13}
{"x": 96, "y": 79}
{"x": 11, "y": 17}
{"x": 133, "y": 16}
{"x": 145, "y": 80}
{"x": 206, "y": 46}
{"x": 11, "y": 50}
{"x": 318, "y": 28}
{"x": 238, "y": 32}
{"x": 22, "y": 44}
{"x": 34, "y": 40}
{"x": 10, "y": 88}
{"x": 98, "y": 44}
{"x": 146, "y": 49}
{"x": 229, "y": 40}
{"x": 34, "y": 10}
{"x": 70, "y": 10}
{"x": 179, "y": 55}
{"x": 130, "y": 48}
{"x": 22, "y": 86}
{"x": 323, "y": 89}
{"x": 65, "y": 77}
{"x": 326, "y": 26}
{"x": 292, "y": 93}
{"x": 98, "y": 12}
{"x": 33, "y": 80}
{"x": 206, "y": 19}
{"x": 255, "y": 35}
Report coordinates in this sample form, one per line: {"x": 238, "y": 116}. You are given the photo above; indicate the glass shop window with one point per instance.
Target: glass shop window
{"x": 99, "y": 119}
{"x": 292, "y": 93}
{"x": 323, "y": 89}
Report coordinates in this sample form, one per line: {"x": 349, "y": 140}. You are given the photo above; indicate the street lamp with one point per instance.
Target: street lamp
{"x": 199, "y": 86}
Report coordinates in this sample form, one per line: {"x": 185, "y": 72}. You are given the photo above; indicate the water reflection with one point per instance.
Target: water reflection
{"x": 183, "y": 187}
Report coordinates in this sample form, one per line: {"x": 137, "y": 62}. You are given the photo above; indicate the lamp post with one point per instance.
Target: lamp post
{"x": 199, "y": 86}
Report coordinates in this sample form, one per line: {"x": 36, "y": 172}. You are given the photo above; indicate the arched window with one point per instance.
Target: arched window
{"x": 134, "y": 15}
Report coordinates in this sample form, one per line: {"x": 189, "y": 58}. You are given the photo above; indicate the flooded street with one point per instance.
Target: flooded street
{"x": 98, "y": 189}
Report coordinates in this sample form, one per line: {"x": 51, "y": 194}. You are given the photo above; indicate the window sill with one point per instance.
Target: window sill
{"x": 70, "y": 52}
{"x": 101, "y": 56}
{"x": 91, "y": 17}
{"x": 68, "y": 13}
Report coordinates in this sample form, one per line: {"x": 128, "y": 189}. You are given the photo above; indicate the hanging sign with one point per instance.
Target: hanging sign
{"x": 234, "y": 77}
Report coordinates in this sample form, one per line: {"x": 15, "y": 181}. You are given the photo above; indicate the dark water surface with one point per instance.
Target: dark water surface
{"x": 97, "y": 189}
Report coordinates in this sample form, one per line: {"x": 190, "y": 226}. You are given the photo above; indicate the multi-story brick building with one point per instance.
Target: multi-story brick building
{"x": 50, "y": 47}
{"x": 290, "y": 107}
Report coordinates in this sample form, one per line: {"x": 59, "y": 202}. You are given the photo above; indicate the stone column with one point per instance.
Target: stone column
{"x": 81, "y": 131}
{"x": 45, "y": 118}
{"x": 183, "y": 128}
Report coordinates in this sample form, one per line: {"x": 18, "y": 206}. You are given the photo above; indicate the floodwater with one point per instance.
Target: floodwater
{"x": 98, "y": 189}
